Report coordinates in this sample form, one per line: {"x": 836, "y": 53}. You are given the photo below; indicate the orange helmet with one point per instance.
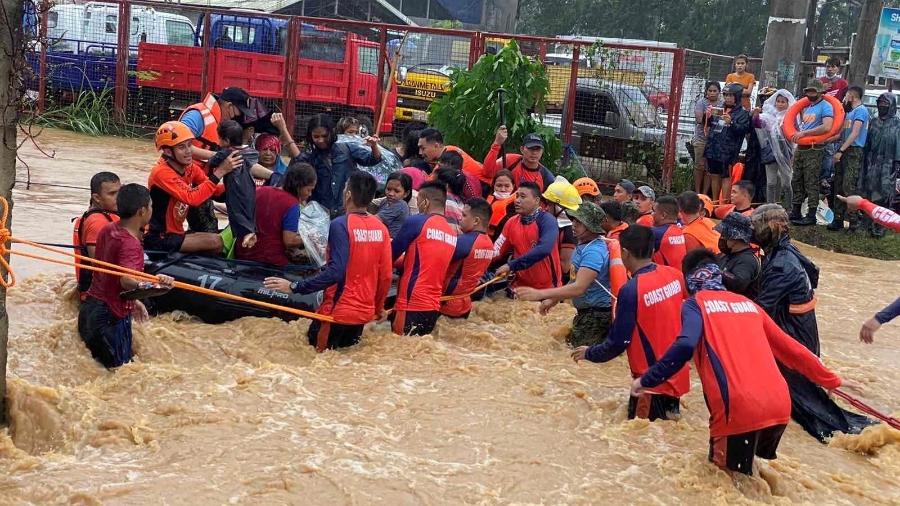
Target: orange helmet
{"x": 172, "y": 133}
{"x": 586, "y": 186}
{"x": 707, "y": 204}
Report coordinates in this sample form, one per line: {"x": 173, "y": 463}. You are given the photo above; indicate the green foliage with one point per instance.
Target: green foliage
{"x": 858, "y": 243}
{"x": 468, "y": 115}
{"x": 90, "y": 113}
{"x": 451, "y": 24}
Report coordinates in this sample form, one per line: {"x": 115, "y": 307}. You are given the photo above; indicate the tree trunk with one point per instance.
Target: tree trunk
{"x": 11, "y": 65}
{"x": 785, "y": 37}
{"x": 864, "y": 43}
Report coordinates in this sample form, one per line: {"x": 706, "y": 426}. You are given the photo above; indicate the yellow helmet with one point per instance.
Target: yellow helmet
{"x": 562, "y": 192}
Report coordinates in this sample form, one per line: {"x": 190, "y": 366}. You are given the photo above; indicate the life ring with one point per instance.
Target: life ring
{"x": 789, "y": 125}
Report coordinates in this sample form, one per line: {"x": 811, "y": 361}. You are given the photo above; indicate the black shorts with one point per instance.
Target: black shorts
{"x": 736, "y": 452}
{"x": 339, "y": 336}
{"x": 654, "y": 407}
{"x": 414, "y": 323}
{"x": 717, "y": 168}
{"x": 107, "y": 336}
{"x": 170, "y": 243}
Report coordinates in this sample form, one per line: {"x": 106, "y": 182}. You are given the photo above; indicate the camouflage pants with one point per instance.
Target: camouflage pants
{"x": 203, "y": 218}
{"x": 589, "y": 327}
{"x": 846, "y": 175}
{"x": 805, "y": 181}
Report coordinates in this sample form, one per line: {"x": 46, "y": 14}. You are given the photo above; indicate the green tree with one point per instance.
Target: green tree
{"x": 469, "y": 113}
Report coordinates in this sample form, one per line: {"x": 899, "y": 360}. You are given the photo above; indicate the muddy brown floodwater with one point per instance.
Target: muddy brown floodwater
{"x": 487, "y": 411}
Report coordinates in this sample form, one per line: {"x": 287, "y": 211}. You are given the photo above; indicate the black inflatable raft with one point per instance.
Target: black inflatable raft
{"x": 237, "y": 277}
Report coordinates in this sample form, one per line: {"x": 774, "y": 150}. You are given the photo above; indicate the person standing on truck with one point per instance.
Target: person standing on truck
{"x": 102, "y": 211}
{"x": 742, "y": 77}
{"x": 177, "y": 183}
{"x": 432, "y": 148}
{"x": 334, "y": 161}
{"x": 525, "y": 166}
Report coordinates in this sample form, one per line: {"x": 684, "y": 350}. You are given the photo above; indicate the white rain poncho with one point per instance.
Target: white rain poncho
{"x": 771, "y": 133}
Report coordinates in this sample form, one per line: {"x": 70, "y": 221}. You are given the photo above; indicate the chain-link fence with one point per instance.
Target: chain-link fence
{"x": 616, "y": 109}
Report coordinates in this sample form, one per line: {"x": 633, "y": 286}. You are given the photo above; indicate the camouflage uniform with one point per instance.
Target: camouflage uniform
{"x": 590, "y": 327}
{"x": 845, "y": 183}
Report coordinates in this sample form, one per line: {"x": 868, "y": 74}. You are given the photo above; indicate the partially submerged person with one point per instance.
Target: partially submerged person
{"x": 334, "y": 161}
{"x": 590, "y": 291}
{"x": 269, "y": 147}
{"x": 588, "y": 190}
{"x": 454, "y": 181}
{"x": 698, "y": 230}
{"x": 240, "y": 189}
{"x": 646, "y": 323}
{"x": 426, "y": 242}
{"x": 524, "y": 166}
{"x": 529, "y": 241}
{"x": 737, "y": 351}
{"x": 471, "y": 185}
{"x": 471, "y": 259}
{"x": 787, "y": 286}
{"x": 431, "y": 147}
{"x": 278, "y": 216}
{"x": 644, "y": 197}
{"x": 740, "y": 264}
{"x": 557, "y": 199}
{"x": 357, "y": 275}
{"x": 881, "y": 158}
{"x": 394, "y": 209}
{"x": 668, "y": 239}
{"x": 502, "y": 202}
{"x": 101, "y": 212}
{"x": 104, "y": 319}
{"x": 177, "y": 183}
{"x": 613, "y": 223}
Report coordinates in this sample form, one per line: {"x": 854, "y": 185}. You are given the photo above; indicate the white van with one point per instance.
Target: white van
{"x": 93, "y": 28}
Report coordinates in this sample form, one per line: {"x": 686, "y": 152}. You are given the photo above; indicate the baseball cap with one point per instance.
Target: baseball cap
{"x": 627, "y": 185}
{"x": 646, "y": 191}
{"x": 238, "y": 97}
{"x": 815, "y": 84}
{"x": 533, "y": 141}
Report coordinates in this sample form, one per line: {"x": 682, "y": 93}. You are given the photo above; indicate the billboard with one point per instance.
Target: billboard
{"x": 886, "y": 55}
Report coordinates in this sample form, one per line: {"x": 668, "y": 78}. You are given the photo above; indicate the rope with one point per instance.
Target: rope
{"x": 869, "y": 410}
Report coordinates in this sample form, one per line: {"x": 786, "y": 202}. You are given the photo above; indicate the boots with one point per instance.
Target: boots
{"x": 836, "y": 225}
{"x": 810, "y": 219}
{"x": 795, "y": 214}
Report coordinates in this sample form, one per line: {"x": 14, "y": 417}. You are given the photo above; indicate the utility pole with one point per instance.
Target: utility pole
{"x": 12, "y": 62}
{"x": 785, "y": 37}
{"x": 864, "y": 43}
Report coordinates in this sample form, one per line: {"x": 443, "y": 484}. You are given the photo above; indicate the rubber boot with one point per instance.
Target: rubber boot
{"x": 810, "y": 219}
{"x": 795, "y": 214}
{"x": 837, "y": 225}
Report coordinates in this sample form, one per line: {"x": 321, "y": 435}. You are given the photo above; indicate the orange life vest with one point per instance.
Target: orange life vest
{"x": 212, "y": 115}
{"x": 84, "y": 277}
{"x": 618, "y": 276}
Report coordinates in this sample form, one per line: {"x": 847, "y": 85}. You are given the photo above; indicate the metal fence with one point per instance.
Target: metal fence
{"x": 616, "y": 106}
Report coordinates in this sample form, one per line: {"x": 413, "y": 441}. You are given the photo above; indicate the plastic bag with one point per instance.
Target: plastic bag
{"x": 313, "y": 229}
{"x": 389, "y": 161}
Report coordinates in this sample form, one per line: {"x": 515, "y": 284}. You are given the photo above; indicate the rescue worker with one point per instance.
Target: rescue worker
{"x": 525, "y": 166}
{"x": 787, "y": 286}
{"x": 668, "y": 239}
{"x": 590, "y": 291}
{"x": 427, "y": 242}
{"x": 178, "y": 183}
{"x": 101, "y": 212}
{"x": 644, "y": 197}
{"x": 740, "y": 265}
{"x": 646, "y": 323}
{"x": 357, "y": 275}
{"x": 588, "y": 189}
{"x": 530, "y": 237}
{"x": 741, "y": 198}
{"x": 698, "y": 230}
{"x": 203, "y": 118}
{"x": 471, "y": 258}
{"x": 431, "y": 147}
{"x": 613, "y": 224}
{"x": 735, "y": 345}
{"x": 558, "y": 198}
{"x": 624, "y": 191}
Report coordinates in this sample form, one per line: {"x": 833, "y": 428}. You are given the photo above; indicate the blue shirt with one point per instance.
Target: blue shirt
{"x": 860, "y": 114}
{"x": 813, "y": 115}
{"x": 594, "y": 256}
{"x": 194, "y": 121}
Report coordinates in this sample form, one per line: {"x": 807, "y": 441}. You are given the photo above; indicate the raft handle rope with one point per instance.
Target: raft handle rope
{"x": 865, "y": 408}
{"x": 7, "y": 239}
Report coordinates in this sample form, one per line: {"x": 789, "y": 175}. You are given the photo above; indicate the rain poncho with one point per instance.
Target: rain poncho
{"x": 771, "y": 135}
{"x": 381, "y": 170}
{"x": 882, "y": 156}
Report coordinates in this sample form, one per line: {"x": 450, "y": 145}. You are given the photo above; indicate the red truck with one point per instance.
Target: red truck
{"x": 337, "y": 71}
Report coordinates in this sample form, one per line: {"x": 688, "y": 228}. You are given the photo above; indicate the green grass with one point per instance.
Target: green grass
{"x": 858, "y": 243}
{"x": 90, "y": 114}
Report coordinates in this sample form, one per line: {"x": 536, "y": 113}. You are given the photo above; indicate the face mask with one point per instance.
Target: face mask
{"x": 502, "y": 195}
{"x": 723, "y": 246}
{"x": 883, "y": 110}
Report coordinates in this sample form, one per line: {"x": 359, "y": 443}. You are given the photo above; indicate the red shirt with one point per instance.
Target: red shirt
{"x": 669, "y": 246}
{"x": 173, "y": 194}
{"x": 272, "y": 204}
{"x": 533, "y": 244}
{"x": 428, "y": 242}
{"x": 541, "y": 175}
{"x": 115, "y": 245}
{"x": 645, "y": 220}
{"x": 472, "y": 257}
{"x": 85, "y": 234}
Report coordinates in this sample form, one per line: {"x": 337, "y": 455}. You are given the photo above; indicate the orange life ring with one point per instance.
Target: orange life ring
{"x": 789, "y": 125}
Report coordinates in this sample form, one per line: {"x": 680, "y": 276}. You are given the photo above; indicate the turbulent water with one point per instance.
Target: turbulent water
{"x": 487, "y": 411}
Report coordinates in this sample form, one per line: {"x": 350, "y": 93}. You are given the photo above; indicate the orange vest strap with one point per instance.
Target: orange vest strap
{"x": 803, "y": 308}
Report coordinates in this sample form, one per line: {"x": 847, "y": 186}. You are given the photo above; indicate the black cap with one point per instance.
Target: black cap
{"x": 627, "y": 185}
{"x": 533, "y": 141}
{"x": 240, "y": 99}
